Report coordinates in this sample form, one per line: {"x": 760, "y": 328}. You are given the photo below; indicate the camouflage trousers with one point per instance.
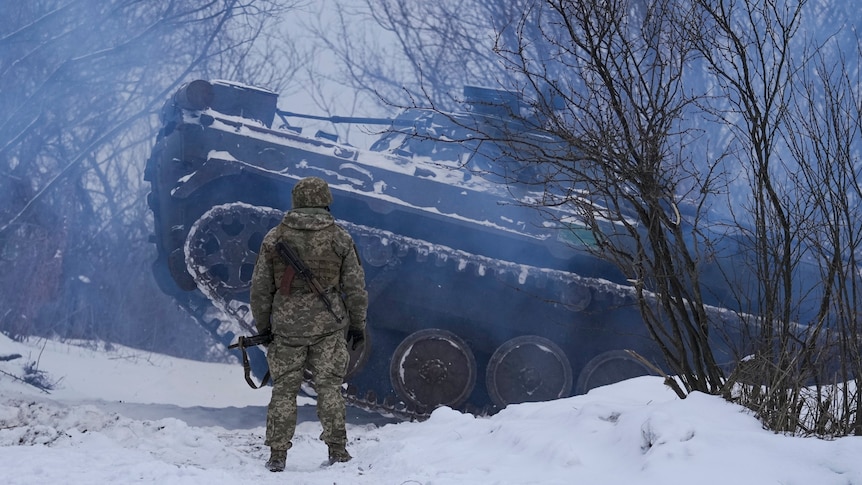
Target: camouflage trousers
{"x": 327, "y": 358}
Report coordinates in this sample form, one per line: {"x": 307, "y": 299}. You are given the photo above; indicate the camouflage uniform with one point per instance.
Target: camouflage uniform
{"x": 306, "y": 335}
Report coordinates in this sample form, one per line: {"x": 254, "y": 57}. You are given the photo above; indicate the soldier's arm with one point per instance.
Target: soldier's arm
{"x": 262, "y": 289}
{"x": 353, "y": 286}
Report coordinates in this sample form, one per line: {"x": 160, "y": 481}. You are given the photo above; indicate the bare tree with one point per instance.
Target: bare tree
{"x": 823, "y": 136}
{"x": 83, "y": 80}
{"x": 623, "y": 163}
{"x": 748, "y": 47}
{"x": 793, "y": 119}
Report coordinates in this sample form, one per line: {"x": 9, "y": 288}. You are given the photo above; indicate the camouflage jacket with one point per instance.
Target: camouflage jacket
{"x": 329, "y": 252}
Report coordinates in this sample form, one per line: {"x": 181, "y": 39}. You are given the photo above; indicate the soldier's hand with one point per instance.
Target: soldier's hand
{"x": 357, "y": 336}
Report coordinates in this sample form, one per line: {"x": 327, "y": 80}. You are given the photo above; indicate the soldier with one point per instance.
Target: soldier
{"x": 306, "y": 334}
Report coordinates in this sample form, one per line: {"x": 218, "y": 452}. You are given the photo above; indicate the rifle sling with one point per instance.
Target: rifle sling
{"x": 246, "y": 365}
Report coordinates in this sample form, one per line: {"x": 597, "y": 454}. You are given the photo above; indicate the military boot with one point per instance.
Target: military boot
{"x": 338, "y": 454}
{"x": 277, "y": 459}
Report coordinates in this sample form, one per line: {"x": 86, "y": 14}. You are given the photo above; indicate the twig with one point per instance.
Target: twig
{"x": 668, "y": 380}
{"x": 13, "y": 376}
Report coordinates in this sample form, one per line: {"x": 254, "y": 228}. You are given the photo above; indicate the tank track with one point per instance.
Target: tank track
{"x": 226, "y": 290}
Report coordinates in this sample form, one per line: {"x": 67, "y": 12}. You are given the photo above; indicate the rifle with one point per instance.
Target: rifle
{"x": 299, "y": 267}
{"x": 242, "y": 343}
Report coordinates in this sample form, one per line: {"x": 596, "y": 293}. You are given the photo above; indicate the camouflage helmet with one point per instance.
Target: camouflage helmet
{"x": 311, "y": 192}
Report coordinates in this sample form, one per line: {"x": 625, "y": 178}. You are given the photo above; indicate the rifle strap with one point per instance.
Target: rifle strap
{"x": 246, "y": 365}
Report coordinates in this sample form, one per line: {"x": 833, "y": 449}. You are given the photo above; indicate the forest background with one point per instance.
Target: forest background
{"x": 749, "y": 112}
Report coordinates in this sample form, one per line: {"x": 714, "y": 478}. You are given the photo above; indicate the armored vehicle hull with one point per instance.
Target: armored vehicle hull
{"x": 476, "y": 299}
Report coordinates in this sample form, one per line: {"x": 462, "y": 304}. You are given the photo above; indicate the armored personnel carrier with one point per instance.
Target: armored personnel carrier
{"x": 477, "y": 300}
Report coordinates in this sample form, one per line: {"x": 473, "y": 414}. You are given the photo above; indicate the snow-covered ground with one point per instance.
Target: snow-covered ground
{"x": 122, "y": 416}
